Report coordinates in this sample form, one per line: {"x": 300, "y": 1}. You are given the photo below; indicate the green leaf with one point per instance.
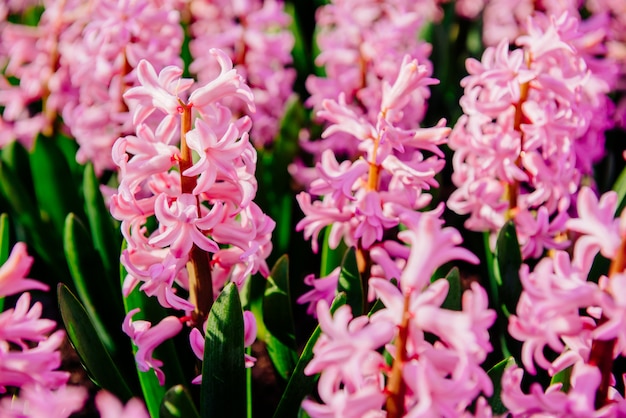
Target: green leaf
{"x": 85, "y": 339}
{"x": 151, "y": 310}
{"x": 331, "y": 259}
{"x": 54, "y": 183}
{"x": 620, "y": 188}
{"x": 563, "y": 377}
{"x": 4, "y": 245}
{"x": 16, "y": 157}
{"x": 4, "y": 238}
{"x": 106, "y": 238}
{"x": 509, "y": 261}
{"x": 223, "y": 391}
{"x": 90, "y": 282}
{"x": 277, "y": 316}
{"x": 300, "y": 53}
{"x": 177, "y": 403}
{"x": 13, "y": 185}
{"x": 350, "y": 282}
{"x": 453, "y": 299}
{"x": 301, "y": 385}
{"x": 495, "y": 374}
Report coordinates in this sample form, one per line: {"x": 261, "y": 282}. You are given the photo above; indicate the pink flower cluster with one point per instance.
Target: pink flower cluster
{"x": 560, "y": 309}
{"x": 256, "y": 37}
{"x": 206, "y": 205}
{"x": 363, "y": 201}
{"x": 77, "y": 63}
{"x": 32, "y": 56}
{"x": 114, "y": 37}
{"x": 361, "y": 44}
{"x": 442, "y": 378}
{"x": 30, "y": 356}
{"x": 533, "y": 126}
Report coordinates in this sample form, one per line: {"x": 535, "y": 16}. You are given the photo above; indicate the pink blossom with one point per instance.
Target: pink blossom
{"x": 578, "y": 402}
{"x": 147, "y": 337}
{"x": 33, "y": 365}
{"x": 257, "y": 40}
{"x": 322, "y": 289}
{"x": 431, "y": 246}
{"x": 13, "y": 273}
{"x": 181, "y": 226}
{"x": 37, "y": 401}
{"x": 110, "y": 407}
{"x": 160, "y": 91}
{"x": 596, "y": 221}
{"x": 548, "y": 308}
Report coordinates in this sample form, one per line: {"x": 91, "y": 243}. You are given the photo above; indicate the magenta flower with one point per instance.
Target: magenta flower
{"x": 180, "y": 226}
{"x": 431, "y": 246}
{"x": 596, "y": 221}
{"x": 13, "y": 273}
{"x": 255, "y": 36}
{"x": 110, "y": 407}
{"x": 147, "y": 337}
{"x": 36, "y": 401}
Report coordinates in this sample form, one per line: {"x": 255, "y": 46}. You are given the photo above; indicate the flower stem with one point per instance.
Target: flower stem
{"x": 396, "y": 387}
{"x": 198, "y": 267}
{"x": 513, "y": 188}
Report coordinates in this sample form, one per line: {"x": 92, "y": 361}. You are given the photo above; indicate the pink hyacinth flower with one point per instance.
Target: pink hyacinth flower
{"x": 147, "y": 337}
{"x": 110, "y": 407}
{"x": 13, "y": 273}
{"x": 37, "y": 401}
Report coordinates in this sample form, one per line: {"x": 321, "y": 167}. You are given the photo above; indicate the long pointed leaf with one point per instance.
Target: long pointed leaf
{"x": 54, "y": 183}
{"x": 495, "y": 374}
{"x": 85, "y": 339}
{"x": 350, "y": 282}
{"x": 453, "y": 299}
{"x": 509, "y": 260}
{"x": 277, "y": 315}
{"x": 331, "y": 259}
{"x": 223, "y": 392}
{"x": 90, "y": 282}
{"x": 4, "y": 245}
{"x": 177, "y": 403}
{"x": 106, "y": 238}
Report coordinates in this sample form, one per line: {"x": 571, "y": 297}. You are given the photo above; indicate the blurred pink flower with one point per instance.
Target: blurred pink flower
{"x": 37, "y": 401}
{"x": 110, "y": 407}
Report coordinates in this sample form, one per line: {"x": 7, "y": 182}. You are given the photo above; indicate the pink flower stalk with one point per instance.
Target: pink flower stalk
{"x": 110, "y": 407}
{"x": 532, "y": 128}
{"x": 441, "y": 379}
{"x": 579, "y": 320}
{"x": 32, "y": 56}
{"x": 365, "y": 199}
{"x": 255, "y": 35}
{"x": 114, "y": 37}
{"x": 361, "y": 44}
{"x": 208, "y": 227}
